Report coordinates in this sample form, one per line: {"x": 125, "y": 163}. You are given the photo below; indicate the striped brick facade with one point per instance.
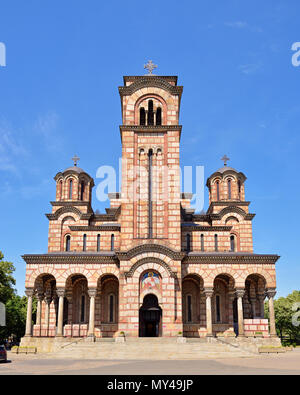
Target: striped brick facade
{"x": 150, "y": 266}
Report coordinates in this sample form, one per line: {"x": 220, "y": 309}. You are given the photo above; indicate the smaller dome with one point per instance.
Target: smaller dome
{"x": 226, "y": 168}
{"x": 74, "y": 169}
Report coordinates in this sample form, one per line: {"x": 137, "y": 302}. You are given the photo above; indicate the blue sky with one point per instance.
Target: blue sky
{"x": 59, "y": 96}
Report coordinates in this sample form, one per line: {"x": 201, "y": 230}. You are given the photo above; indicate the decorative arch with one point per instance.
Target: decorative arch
{"x": 65, "y": 209}
{"x": 146, "y": 260}
{"x": 232, "y": 209}
{"x": 150, "y": 96}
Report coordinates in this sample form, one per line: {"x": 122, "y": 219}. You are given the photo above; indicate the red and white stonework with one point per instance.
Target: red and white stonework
{"x": 150, "y": 266}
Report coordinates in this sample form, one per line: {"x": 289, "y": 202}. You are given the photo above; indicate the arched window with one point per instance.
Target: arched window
{"x": 150, "y": 113}
{"x": 239, "y": 188}
{"x": 202, "y": 242}
{"x": 189, "y": 308}
{"x": 98, "y": 242}
{"x": 218, "y": 190}
{"x": 218, "y": 309}
{"x": 216, "y": 242}
{"x": 158, "y": 116}
{"x": 84, "y": 243}
{"x": 82, "y": 308}
{"x": 70, "y": 189}
{"x": 111, "y": 307}
{"x": 82, "y": 190}
{"x": 188, "y": 242}
{"x": 232, "y": 243}
{"x": 142, "y": 116}
{"x": 60, "y": 190}
{"x": 68, "y": 243}
{"x": 229, "y": 189}
{"x": 112, "y": 242}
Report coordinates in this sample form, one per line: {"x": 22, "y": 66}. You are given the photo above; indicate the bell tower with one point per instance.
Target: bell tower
{"x": 150, "y": 134}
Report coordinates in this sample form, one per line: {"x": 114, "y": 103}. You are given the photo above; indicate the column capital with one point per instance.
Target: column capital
{"x": 240, "y": 292}
{"x": 261, "y": 297}
{"x": 208, "y": 292}
{"x": 271, "y": 292}
{"x": 29, "y": 292}
{"x": 92, "y": 292}
{"x": 48, "y": 299}
{"x": 60, "y": 292}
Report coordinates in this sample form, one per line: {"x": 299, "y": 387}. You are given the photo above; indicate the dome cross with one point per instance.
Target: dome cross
{"x": 75, "y": 159}
{"x": 225, "y": 159}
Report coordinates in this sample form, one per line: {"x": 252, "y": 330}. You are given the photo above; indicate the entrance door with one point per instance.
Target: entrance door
{"x": 150, "y": 317}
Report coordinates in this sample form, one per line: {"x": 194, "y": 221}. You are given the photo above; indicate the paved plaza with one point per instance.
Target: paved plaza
{"x": 281, "y": 364}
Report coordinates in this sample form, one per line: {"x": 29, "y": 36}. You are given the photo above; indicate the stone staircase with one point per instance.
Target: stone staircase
{"x": 149, "y": 349}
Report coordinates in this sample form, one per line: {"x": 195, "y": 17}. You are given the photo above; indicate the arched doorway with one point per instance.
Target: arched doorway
{"x": 150, "y": 317}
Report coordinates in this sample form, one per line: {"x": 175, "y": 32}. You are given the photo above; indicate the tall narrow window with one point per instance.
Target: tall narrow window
{"x": 84, "y": 243}
{"x": 202, "y": 242}
{"x": 188, "y": 242}
{"x": 142, "y": 116}
{"x": 150, "y": 230}
{"x": 68, "y": 243}
{"x": 239, "y": 188}
{"x": 111, "y": 307}
{"x": 98, "y": 242}
{"x": 82, "y": 310}
{"x": 70, "y": 189}
{"x": 158, "y": 116}
{"x": 112, "y": 242}
{"x": 189, "y": 308}
{"x": 82, "y": 190}
{"x": 60, "y": 190}
{"x": 229, "y": 189}
{"x": 150, "y": 113}
{"x": 216, "y": 242}
{"x": 232, "y": 243}
{"x": 218, "y": 190}
{"x": 218, "y": 309}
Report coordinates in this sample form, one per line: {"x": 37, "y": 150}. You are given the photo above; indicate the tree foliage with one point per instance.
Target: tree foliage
{"x": 15, "y": 305}
{"x": 287, "y": 316}
{"x": 7, "y": 282}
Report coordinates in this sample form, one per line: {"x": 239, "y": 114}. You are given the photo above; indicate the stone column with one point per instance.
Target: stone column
{"x": 271, "y": 293}
{"x": 231, "y": 297}
{"x": 208, "y": 292}
{"x": 253, "y": 306}
{"x": 47, "y": 313}
{"x": 240, "y": 293}
{"x": 38, "y": 322}
{"x": 92, "y": 294}
{"x": 29, "y": 294}
{"x": 261, "y": 298}
{"x": 60, "y": 293}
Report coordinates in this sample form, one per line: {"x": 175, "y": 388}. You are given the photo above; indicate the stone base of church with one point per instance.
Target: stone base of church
{"x": 57, "y": 344}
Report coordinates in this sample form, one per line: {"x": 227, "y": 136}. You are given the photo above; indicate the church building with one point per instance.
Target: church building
{"x": 150, "y": 266}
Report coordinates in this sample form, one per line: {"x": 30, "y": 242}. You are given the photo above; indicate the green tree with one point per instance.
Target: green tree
{"x": 7, "y": 282}
{"x": 284, "y": 313}
{"x": 15, "y": 305}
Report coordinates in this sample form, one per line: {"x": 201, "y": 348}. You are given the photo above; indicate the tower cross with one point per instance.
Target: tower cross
{"x": 150, "y": 66}
{"x": 225, "y": 159}
{"x": 75, "y": 159}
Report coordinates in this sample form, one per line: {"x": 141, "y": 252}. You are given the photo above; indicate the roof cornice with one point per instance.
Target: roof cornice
{"x": 195, "y": 227}
{"x": 104, "y": 227}
{"x": 71, "y": 257}
{"x": 150, "y": 81}
{"x": 232, "y": 258}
